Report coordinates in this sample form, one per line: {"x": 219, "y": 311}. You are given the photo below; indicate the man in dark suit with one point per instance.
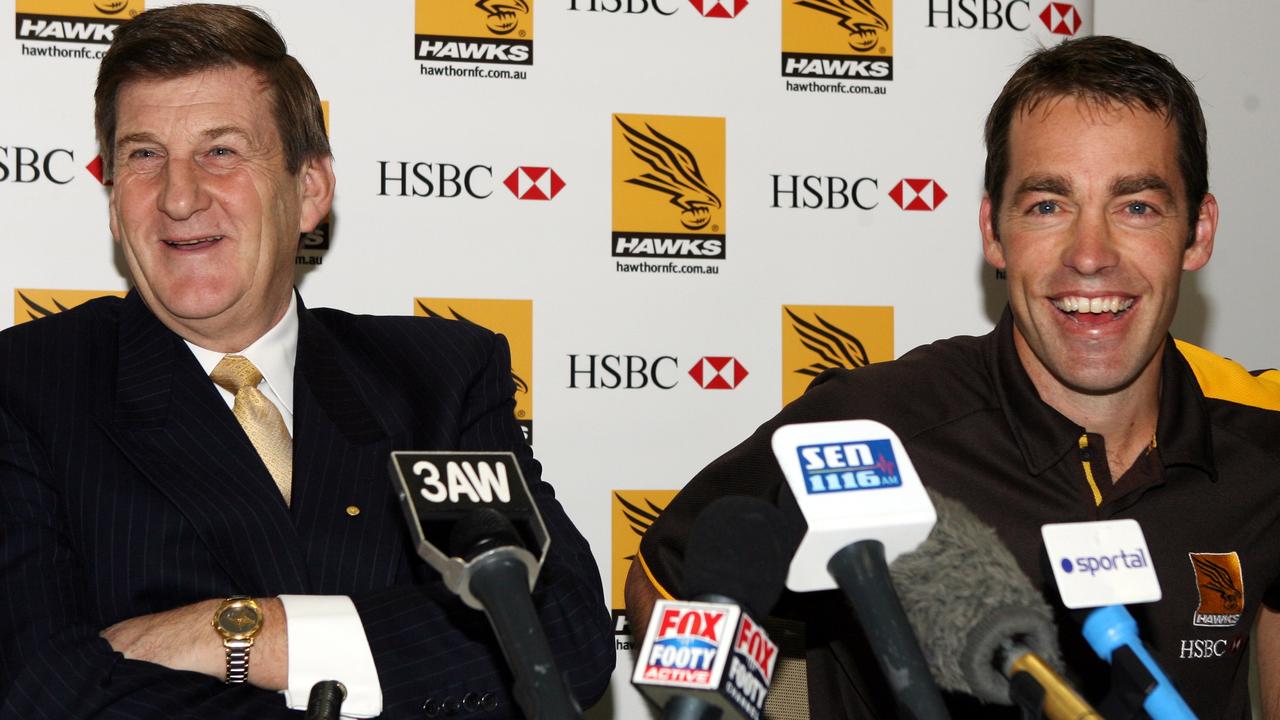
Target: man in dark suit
{"x": 195, "y": 512}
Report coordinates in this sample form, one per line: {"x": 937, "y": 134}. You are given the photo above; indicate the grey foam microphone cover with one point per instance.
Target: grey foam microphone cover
{"x": 968, "y": 600}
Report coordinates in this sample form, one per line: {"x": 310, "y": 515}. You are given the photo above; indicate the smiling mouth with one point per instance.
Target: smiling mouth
{"x": 192, "y": 243}
{"x": 1079, "y": 305}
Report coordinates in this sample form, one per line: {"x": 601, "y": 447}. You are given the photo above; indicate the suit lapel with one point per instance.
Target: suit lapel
{"x": 342, "y": 494}
{"x": 172, "y": 424}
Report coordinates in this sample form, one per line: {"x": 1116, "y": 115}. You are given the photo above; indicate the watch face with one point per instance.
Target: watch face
{"x": 239, "y": 620}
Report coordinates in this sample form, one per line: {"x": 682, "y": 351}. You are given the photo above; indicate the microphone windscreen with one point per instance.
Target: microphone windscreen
{"x": 967, "y": 599}
{"x": 740, "y": 547}
{"x": 481, "y": 530}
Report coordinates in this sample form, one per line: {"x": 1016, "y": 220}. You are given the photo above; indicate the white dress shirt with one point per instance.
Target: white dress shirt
{"x": 326, "y": 637}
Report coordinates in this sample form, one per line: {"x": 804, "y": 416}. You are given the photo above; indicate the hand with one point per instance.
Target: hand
{"x": 184, "y": 639}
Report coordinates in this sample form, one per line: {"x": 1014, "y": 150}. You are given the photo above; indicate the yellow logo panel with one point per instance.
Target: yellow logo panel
{"x": 633, "y": 512}
{"x": 838, "y": 27}
{"x": 668, "y": 174}
{"x": 511, "y": 318}
{"x": 112, "y": 9}
{"x": 31, "y": 304}
{"x": 472, "y": 19}
{"x": 820, "y": 337}
{"x": 1220, "y": 583}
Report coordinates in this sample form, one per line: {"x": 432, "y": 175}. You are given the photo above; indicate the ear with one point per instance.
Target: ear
{"x": 316, "y": 183}
{"x": 992, "y": 250}
{"x": 1201, "y": 248}
{"x": 113, "y": 218}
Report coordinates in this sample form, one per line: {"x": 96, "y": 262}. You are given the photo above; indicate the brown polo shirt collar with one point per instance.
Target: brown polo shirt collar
{"x": 1045, "y": 436}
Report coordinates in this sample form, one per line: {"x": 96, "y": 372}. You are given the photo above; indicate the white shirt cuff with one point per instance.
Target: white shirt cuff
{"x": 327, "y": 642}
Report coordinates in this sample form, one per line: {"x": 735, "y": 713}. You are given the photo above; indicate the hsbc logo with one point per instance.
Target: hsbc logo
{"x": 918, "y": 194}
{"x": 95, "y": 169}
{"x": 718, "y": 373}
{"x": 1061, "y": 18}
{"x": 719, "y": 8}
{"x": 662, "y": 372}
{"x": 534, "y": 183}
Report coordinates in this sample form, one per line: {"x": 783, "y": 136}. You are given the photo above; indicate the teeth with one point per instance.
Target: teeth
{"x": 1096, "y": 305}
{"x": 197, "y": 241}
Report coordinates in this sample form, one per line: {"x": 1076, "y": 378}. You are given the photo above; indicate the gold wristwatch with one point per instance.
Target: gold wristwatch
{"x": 238, "y": 621}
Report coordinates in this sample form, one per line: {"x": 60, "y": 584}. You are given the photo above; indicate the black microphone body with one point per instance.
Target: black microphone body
{"x": 500, "y": 581}
{"x": 473, "y": 520}
{"x": 860, "y": 570}
{"x": 325, "y": 701}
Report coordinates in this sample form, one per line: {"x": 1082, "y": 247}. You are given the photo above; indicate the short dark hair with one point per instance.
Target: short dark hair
{"x": 1102, "y": 70}
{"x": 175, "y": 41}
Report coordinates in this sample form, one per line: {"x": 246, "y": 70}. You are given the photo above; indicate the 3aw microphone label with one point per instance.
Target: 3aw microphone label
{"x": 1101, "y": 563}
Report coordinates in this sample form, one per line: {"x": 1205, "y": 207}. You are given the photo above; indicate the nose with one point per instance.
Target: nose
{"x": 1091, "y": 249}
{"x": 183, "y": 193}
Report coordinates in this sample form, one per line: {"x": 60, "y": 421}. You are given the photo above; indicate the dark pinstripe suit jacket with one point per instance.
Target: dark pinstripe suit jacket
{"x": 127, "y": 487}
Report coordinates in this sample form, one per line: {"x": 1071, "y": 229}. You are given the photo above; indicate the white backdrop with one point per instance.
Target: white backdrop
{"x": 925, "y": 123}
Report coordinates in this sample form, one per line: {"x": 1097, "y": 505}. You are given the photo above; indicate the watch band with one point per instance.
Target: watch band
{"x": 237, "y": 660}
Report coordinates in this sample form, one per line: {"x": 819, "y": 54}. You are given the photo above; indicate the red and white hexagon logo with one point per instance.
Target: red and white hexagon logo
{"x": 718, "y": 373}
{"x": 719, "y": 8}
{"x": 918, "y": 194}
{"x": 1061, "y": 18}
{"x": 534, "y": 183}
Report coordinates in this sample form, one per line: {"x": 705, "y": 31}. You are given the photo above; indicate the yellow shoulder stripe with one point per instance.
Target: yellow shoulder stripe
{"x": 653, "y": 580}
{"x": 1223, "y": 379}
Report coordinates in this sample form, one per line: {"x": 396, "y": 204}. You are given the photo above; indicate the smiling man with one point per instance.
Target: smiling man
{"x": 1078, "y": 406}
{"x": 195, "y": 513}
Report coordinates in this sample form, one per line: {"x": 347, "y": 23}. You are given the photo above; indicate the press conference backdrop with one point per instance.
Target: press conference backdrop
{"x": 678, "y": 211}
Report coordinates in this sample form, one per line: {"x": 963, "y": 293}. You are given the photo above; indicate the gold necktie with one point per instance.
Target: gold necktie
{"x": 259, "y": 417}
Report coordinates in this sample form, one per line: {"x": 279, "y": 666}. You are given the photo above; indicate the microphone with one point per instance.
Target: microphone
{"x": 981, "y": 624}
{"x": 710, "y": 658}
{"x": 325, "y": 702}
{"x": 1112, "y": 631}
{"x": 864, "y": 506}
{"x": 473, "y": 520}
{"x": 1102, "y": 566}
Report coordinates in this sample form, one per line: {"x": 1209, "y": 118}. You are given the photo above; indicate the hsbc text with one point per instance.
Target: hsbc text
{"x": 626, "y": 372}
{"x": 980, "y": 14}
{"x": 825, "y": 192}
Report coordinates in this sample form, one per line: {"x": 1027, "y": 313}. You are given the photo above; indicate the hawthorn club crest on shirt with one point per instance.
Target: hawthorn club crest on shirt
{"x": 858, "y": 17}
{"x": 674, "y": 171}
{"x": 1220, "y": 582}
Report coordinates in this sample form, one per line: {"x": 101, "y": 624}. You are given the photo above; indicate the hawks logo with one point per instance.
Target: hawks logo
{"x": 474, "y": 31}
{"x": 845, "y": 39}
{"x": 633, "y": 513}
{"x": 858, "y": 17}
{"x": 674, "y": 171}
{"x": 503, "y": 16}
{"x": 667, "y": 187}
{"x": 819, "y": 338}
{"x": 31, "y": 305}
{"x": 1221, "y": 585}
{"x": 511, "y": 318}
{"x": 73, "y": 21}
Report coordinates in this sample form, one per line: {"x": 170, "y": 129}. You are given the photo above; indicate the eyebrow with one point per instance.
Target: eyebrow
{"x": 210, "y": 134}
{"x": 1055, "y": 184}
{"x": 1131, "y": 184}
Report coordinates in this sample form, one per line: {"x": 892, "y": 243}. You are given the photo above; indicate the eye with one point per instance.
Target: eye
{"x": 1139, "y": 208}
{"x": 1045, "y": 207}
{"x": 222, "y": 152}
{"x": 142, "y": 154}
